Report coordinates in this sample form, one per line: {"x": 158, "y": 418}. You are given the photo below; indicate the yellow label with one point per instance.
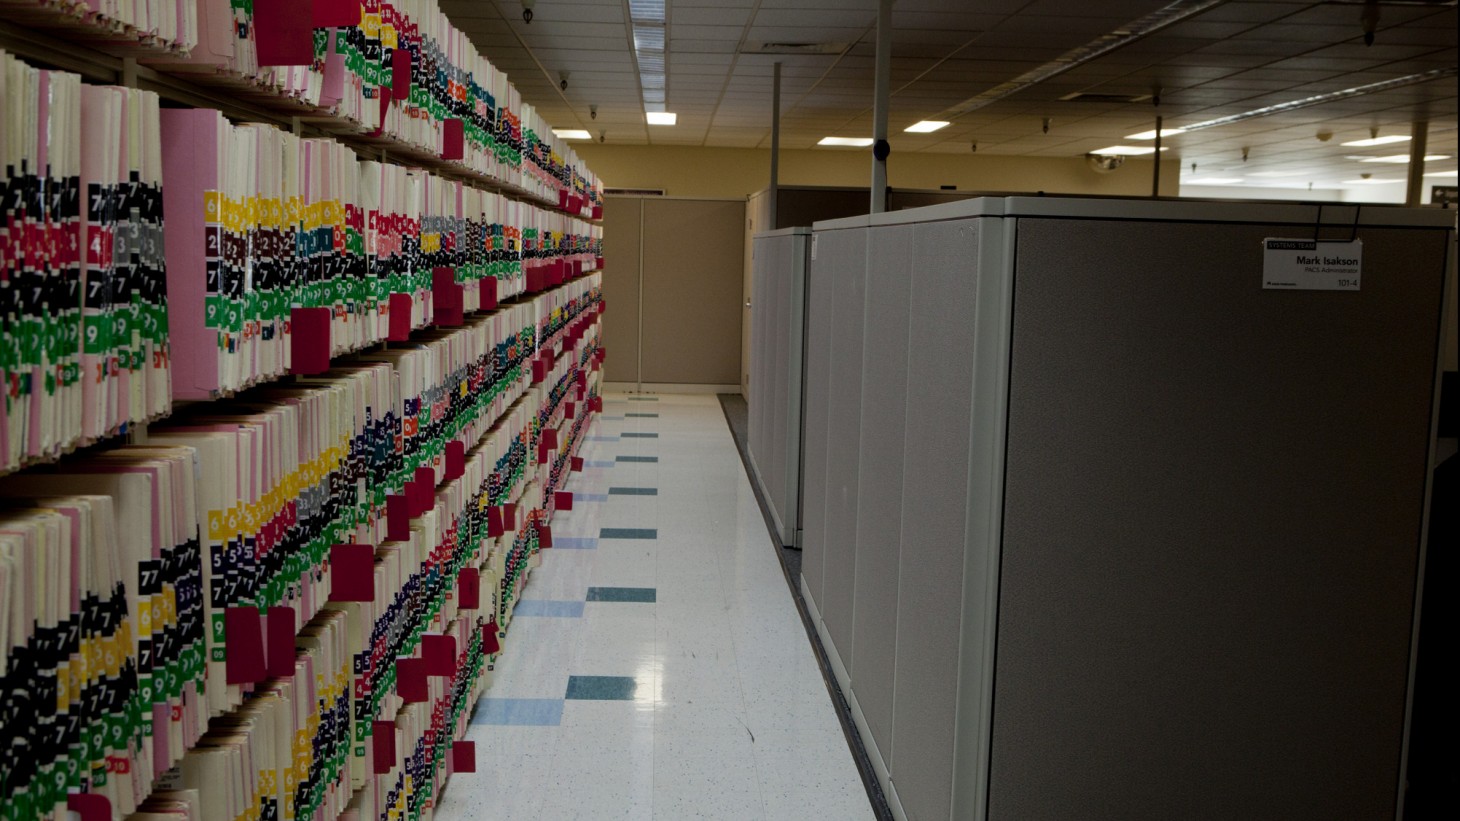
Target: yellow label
{"x": 215, "y": 525}
{"x": 154, "y": 604}
{"x": 63, "y": 687}
{"x": 387, "y": 36}
{"x": 212, "y": 205}
{"x": 144, "y": 618}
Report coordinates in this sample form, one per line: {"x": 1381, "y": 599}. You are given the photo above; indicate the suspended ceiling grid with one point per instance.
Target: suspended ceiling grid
{"x": 1231, "y": 57}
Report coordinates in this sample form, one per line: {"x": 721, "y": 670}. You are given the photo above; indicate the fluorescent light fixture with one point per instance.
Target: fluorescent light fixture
{"x": 1342, "y": 94}
{"x": 1372, "y": 141}
{"x": 1370, "y": 181}
{"x": 926, "y": 126}
{"x": 1277, "y": 173}
{"x": 1450, "y": 174}
{"x": 1151, "y": 135}
{"x": 849, "y": 142}
{"x": 1213, "y": 181}
{"x": 1126, "y": 150}
{"x": 571, "y": 134}
{"x": 1404, "y": 158}
{"x": 661, "y": 117}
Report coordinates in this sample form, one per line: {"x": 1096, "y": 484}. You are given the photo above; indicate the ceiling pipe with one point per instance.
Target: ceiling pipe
{"x": 1419, "y": 136}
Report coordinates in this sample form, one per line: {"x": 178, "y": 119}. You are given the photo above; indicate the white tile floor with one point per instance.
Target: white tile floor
{"x": 721, "y": 710}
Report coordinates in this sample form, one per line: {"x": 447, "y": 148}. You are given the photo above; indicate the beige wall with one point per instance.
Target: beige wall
{"x": 739, "y": 172}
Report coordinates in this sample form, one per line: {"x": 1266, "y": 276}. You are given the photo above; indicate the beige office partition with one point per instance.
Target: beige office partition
{"x": 623, "y": 219}
{"x": 691, "y": 299}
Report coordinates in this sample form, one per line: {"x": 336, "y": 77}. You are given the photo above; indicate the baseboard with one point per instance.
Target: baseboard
{"x": 667, "y": 387}
{"x": 874, "y": 755}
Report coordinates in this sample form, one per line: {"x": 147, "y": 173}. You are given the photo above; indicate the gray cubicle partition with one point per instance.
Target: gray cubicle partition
{"x": 1099, "y": 526}
{"x": 777, "y": 313}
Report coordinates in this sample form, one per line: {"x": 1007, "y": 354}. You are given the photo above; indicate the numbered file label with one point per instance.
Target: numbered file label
{"x": 1312, "y": 265}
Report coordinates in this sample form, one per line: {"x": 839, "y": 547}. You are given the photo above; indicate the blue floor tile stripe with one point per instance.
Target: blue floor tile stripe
{"x": 629, "y": 434}
{"x": 638, "y": 416}
{"x": 637, "y": 458}
{"x": 623, "y": 594}
{"x": 589, "y": 497}
{"x": 603, "y": 438}
{"x": 601, "y": 688}
{"x": 643, "y": 399}
{"x": 549, "y": 608}
{"x": 574, "y": 543}
{"x": 598, "y": 463}
{"x": 628, "y": 533}
{"x": 526, "y": 712}
{"x": 633, "y": 491}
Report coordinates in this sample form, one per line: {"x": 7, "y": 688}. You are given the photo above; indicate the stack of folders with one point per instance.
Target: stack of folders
{"x": 83, "y": 314}
{"x": 153, "y": 25}
{"x": 106, "y": 637}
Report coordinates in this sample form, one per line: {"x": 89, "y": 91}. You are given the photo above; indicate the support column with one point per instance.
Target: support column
{"x": 1156, "y": 166}
{"x": 1418, "y": 142}
{"x": 775, "y": 144}
{"x": 879, "y": 106}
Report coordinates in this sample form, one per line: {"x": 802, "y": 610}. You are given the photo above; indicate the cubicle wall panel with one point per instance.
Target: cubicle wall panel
{"x": 940, "y": 359}
{"x": 814, "y": 425}
{"x": 622, "y": 235}
{"x": 879, "y": 477}
{"x": 766, "y": 251}
{"x": 694, "y": 270}
{"x": 1213, "y": 503}
{"x": 843, "y": 255}
{"x": 780, "y": 287}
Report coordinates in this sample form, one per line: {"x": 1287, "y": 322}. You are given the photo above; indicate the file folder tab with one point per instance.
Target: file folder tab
{"x": 284, "y": 32}
{"x": 382, "y": 743}
{"x": 563, "y": 500}
{"x": 281, "y": 631}
{"x": 464, "y": 756}
{"x": 352, "y": 573}
{"x": 243, "y": 631}
{"x": 400, "y": 317}
{"x": 469, "y": 589}
{"x": 438, "y": 651}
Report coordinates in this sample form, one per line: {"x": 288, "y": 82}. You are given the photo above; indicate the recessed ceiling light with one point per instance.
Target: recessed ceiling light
{"x": 926, "y": 126}
{"x": 1277, "y": 173}
{"x": 1151, "y": 135}
{"x": 1443, "y": 174}
{"x": 661, "y": 117}
{"x": 1404, "y": 158}
{"x": 1126, "y": 150}
{"x": 1373, "y": 141}
{"x": 1370, "y": 181}
{"x": 1213, "y": 181}
{"x": 571, "y": 134}
{"x": 850, "y": 142}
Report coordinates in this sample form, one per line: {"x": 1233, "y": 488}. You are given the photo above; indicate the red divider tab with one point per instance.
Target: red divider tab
{"x": 563, "y": 500}
{"x": 469, "y": 589}
{"x": 539, "y": 370}
{"x": 352, "y": 572}
{"x": 400, "y": 318}
{"x": 602, "y": 305}
{"x": 336, "y": 13}
{"x": 597, "y": 209}
{"x": 382, "y": 742}
{"x": 243, "y": 634}
{"x": 397, "y": 517}
{"x": 569, "y": 410}
{"x": 427, "y": 476}
{"x": 550, "y": 438}
{"x": 446, "y": 296}
{"x": 92, "y": 807}
{"x": 595, "y": 404}
{"x": 281, "y": 632}
{"x": 309, "y": 340}
{"x": 494, "y": 522}
{"x": 488, "y": 294}
{"x": 577, "y": 464}
{"x": 563, "y": 198}
{"x": 383, "y": 94}
{"x": 509, "y": 515}
{"x": 453, "y": 139}
{"x": 419, "y": 493}
{"x": 491, "y": 643}
{"x": 544, "y": 536}
{"x": 455, "y": 459}
{"x": 542, "y": 453}
{"x": 598, "y": 215}
{"x": 438, "y": 650}
{"x": 410, "y": 680}
{"x": 400, "y": 73}
{"x": 284, "y": 32}
{"x": 464, "y": 756}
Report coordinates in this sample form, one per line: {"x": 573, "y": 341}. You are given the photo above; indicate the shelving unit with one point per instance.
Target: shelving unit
{"x": 334, "y": 554}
